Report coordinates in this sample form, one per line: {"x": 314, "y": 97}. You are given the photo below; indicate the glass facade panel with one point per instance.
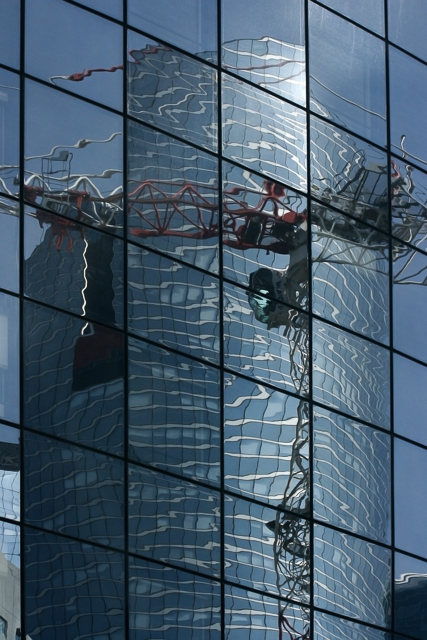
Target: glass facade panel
{"x": 10, "y": 473}
{"x": 65, "y": 59}
{"x": 73, "y": 491}
{"x": 10, "y": 33}
{"x": 75, "y": 583}
{"x": 405, "y": 20}
{"x": 327, "y": 627}
{"x": 111, "y": 8}
{"x": 166, "y": 604}
{"x": 347, "y": 75}
{"x": 410, "y": 404}
{"x": 410, "y": 591}
{"x": 9, "y": 358}
{"x": 350, "y": 274}
{"x": 172, "y": 304}
{"x": 174, "y": 412}
{"x": 351, "y": 576}
{"x": 73, "y": 379}
{"x": 365, "y": 12}
{"x": 409, "y": 204}
{"x": 172, "y": 197}
{"x": 264, "y": 133}
{"x": 9, "y": 132}
{"x": 410, "y": 480}
{"x": 266, "y": 47}
{"x": 174, "y": 521}
{"x": 351, "y": 374}
{"x": 9, "y": 244}
{"x": 10, "y": 580}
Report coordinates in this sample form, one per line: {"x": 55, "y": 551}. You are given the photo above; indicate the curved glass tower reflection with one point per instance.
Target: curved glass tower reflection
{"x": 211, "y": 301}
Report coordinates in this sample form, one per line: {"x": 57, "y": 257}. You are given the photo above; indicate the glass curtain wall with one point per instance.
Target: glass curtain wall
{"x": 213, "y": 268}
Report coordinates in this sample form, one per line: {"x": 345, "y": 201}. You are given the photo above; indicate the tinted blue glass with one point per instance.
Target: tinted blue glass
{"x": 173, "y": 197}
{"x": 74, "y": 491}
{"x": 264, "y": 133}
{"x": 10, "y": 580}
{"x": 9, "y": 132}
{"x": 174, "y": 412}
{"x": 369, "y": 13}
{"x": 265, "y": 339}
{"x": 251, "y": 615}
{"x": 328, "y": 627}
{"x": 174, "y": 520}
{"x": 405, "y": 25}
{"x": 172, "y": 91}
{"x": 73, "y": 267}
{"x": 172, "y": 304}
{"x": 9, "y": 358}
{"x": 266, "y": 46}
{"x": 351, "y": 476}
{"x": 347, "y": 74}
{"x": 81, "y": 52}
{"x": 75, "y": 585}
{"x": 410, "y": 482}
{"x": 266, "y": 444}
{"x": 350, "y": 274}
{"x": 409, "y": 301}
{"x": 349, "y": 174}
{"x": 73, "y": 153}
{"x": 113, "y": 8}
{"x": 264, "y": 235}
{"x": 10, "y": 464}
{"x": 351, "y": 374}
{"x": 266, "y": 549}
{"x": 351, "y": 576}
{"x": 166, "y": 604}
{"x": 10, "y": 33}
{"x": 9, "y": 244}
{"x": 408, "y": 107}
{"x": 410, "y": 402}
{"x": 410, "y": 596}
{"x": 190, "y": 25}
{"x": 73, "y": 379}
{"x": 409, "y": 204}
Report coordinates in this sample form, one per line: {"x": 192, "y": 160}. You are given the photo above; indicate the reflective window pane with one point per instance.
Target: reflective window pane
{"x": 9, "y": 358}
{"x": 347, "y": 75}
{"x": 266, "y": 549}
{"x": 408, "y": 107}
{"x": 369, "y": 13}
{"x": 349, "y": 174}
{"x": 251, "y": 615}
{"x": 73, "y": 267}
{"x": 266, "y": 445}
{"x": 65, "y": 59}
{"x": 265, "y": 339}
{"x": 351, "y": 374}
{"x": 405, "y": 25}
{"x": 73, "y": 379}
{"x": 352, "y": 476}
{"x": 10, "y": 465}
{"x": 191, "y": 26}
{"x": 172, "y": 304}
{"x": 410, "y": 482}
{"x": 79, "y": 585}
{"x": 172, "y": 197}
{"x": 171, "y": 91}
{"x": 9, "y": 244}
{"x": 351, "y": 576}
{"x": 113, "y": 8}
{"x": 174, "y": 412}
{"x": 410, "y": 591}
{"x": 328, "y": 627}
{"x": 409, "y": 301}
{"x": 264, "y": 236}
{"x": 409, "y": 204}
{"x": 74, "y": 491}
{"x": 264, "y": 133}
{"x": 166, "y": 604}
{"x": 350, "y": 274}
{"x": 266, "y": 47}
{"x": 9, "y": 132}
{"x": 410, "y": 402}
{"x": 10, "y": 579}
{"x": 174, "y": 520}
{"x": 10, "y": 33}
{"x": 73, "y": 158}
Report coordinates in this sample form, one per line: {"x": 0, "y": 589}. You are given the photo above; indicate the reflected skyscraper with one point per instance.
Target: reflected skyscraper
{"x": 212, "y": 293}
